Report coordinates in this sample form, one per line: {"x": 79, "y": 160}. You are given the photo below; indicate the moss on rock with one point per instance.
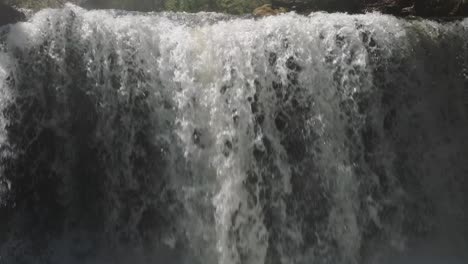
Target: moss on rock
{"x": 268, "y": 10}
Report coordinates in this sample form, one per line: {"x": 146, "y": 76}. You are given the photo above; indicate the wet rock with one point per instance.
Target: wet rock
{"x": 9, "y": 15}
{"x": 423, "y": 8}
{"x": 268, "y": 10}
{"x": 307, "y": 6}
{"x": 393, "y": 7}
{"x": 441, "y": 8}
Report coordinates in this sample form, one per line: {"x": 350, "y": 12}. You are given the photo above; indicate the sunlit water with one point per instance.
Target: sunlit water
{"x": 204, "y": 138}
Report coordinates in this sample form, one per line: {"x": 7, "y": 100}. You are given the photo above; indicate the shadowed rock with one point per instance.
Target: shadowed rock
{"x": 440, "y": 8}
{"x": 268, "y": 10}
{"x": 307, "y": 6}
{"x": 394, "y": 7}
{"x": 9, "y": 15}
{"x": 423, "y": 8}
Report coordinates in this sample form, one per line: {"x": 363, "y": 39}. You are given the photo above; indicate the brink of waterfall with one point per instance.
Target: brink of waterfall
{"x": 205, "y": 138}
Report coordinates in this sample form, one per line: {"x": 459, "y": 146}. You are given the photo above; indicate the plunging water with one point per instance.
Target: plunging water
{"x": 205, "y": 138}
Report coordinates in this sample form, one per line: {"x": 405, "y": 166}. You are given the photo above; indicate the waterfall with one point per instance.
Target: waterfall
{"x": 206, "y": 138}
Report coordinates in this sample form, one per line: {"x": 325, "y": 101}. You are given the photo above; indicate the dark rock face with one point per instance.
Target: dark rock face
{"x": 441, "y": 7}
{"x": 423, "y": 8}
{"x": 394, "y": 7}
{"x": 9, "y": 15}
{"x": 267, "y": 10}
{"x": 305, "y": 6}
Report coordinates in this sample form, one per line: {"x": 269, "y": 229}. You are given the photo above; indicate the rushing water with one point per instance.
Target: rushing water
{"x": 204, "y": 138}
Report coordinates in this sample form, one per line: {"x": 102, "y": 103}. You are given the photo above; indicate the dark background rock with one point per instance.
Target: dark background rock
{"x": 394, "y": 7}
{"x": 438, "y": 8}
{"x": 423, "y": 8}
{"x": 9, "y": 15}
{"x": 306, "y": 6}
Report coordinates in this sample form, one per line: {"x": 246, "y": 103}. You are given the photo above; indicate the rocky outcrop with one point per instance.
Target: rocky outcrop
{"x": 268, "y": 10}
{"x": 423, "y": 8}
{"x": 438, "y": 8}
{"x": 394, "y": 7}
{"x": 9, "y": 15}
{"x": 307, "y": 6}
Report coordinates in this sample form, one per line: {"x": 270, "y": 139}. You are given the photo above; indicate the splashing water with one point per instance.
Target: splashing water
{"x": 205, "y": 138}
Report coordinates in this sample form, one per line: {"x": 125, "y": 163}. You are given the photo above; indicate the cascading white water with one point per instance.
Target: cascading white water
{"x": 205, "y": 138}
